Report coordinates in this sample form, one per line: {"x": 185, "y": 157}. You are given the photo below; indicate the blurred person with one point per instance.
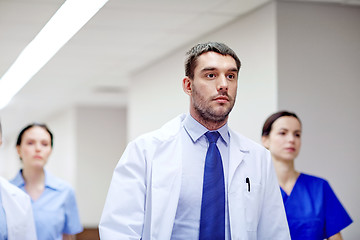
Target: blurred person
{"x": 53, "y": 200}
{"x": 312, "y": 208}
{"x": 16, "y": 216}
{"x": 195, "y": 178}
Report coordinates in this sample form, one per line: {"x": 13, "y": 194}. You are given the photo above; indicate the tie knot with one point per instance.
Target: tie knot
{"x": 212, "y": 136}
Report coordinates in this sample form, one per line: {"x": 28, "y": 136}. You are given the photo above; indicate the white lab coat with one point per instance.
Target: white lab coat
{"x": 145, "y": 187}
{"x": 18, "y": 210}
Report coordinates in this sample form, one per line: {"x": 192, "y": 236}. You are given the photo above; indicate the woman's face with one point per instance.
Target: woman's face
{"x": 35, "y": 147}
{"x": 284, "y": 140}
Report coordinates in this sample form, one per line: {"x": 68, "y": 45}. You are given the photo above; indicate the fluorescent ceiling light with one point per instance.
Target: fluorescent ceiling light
{"x": 66, "y": 22}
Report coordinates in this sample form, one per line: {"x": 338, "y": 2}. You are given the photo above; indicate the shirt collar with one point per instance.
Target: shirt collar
{"x": 196, "y": 130}
{"x": 50, "y": 181}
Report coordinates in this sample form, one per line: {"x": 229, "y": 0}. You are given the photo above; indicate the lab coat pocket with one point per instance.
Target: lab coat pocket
{"x": 252, "y": 205}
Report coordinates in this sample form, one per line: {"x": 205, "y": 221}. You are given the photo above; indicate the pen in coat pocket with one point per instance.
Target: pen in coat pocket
{"x": 248, "y": 183}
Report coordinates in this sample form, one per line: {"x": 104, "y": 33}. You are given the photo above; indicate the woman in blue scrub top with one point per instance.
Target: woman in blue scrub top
{"x": 53, "y": 200}
{"x": 312, "y": 208}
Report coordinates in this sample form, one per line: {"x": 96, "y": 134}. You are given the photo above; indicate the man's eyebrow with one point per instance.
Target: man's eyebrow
{"x": 214, "y": 68}
{"x": 208, "y": 69}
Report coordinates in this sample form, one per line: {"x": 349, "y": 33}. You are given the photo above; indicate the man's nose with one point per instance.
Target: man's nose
{"x": 223, "y": 84}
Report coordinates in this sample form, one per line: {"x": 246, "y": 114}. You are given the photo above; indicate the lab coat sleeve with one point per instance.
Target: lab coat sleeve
{"x": 123, "y": 213}
{"x": 19, "y": 214}
{"x": 272, "y": 223}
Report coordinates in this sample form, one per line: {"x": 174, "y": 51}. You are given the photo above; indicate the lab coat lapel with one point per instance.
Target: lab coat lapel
{"x": 237, "y": 156}
{"x": 165, "y": 185}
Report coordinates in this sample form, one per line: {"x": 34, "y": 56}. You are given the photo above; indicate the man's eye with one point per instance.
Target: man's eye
{"x": 210, "y": 75}
{"x": 231, "y": 76}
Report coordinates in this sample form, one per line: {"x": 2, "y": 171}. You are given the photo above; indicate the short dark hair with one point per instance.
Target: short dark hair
{"x": 197, "y": 50}
{"x": 273, "y": 117}
{"x": 42, "y": 125}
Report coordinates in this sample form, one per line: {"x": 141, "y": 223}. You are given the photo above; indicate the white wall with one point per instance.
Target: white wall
{"x": 9, "y": 160}
{"x": 88, "y": 142}
{"x": 101, "y": 139}
{"x": 156, "y": 93}
{"x": 62, "y": 162}
{"x": 319, "y": 78}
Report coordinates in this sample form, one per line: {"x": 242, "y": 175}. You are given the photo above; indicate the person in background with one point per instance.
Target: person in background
{"x": 53, "y": 200}
{"x": 16, "y": 216}
{"x": 312, "y": 208}
{"x": 195, "y": 178}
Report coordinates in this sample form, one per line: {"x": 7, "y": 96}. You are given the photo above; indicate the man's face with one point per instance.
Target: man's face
{"x": 213, "y": 89}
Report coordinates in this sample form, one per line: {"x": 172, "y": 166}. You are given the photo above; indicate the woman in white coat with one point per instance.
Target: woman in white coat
{"x": 16, "y": 216}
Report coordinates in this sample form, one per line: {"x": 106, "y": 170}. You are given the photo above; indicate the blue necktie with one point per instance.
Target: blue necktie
{"x": 212, "y": 219}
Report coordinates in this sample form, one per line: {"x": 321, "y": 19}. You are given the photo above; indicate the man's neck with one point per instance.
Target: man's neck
{"x": 210, "y": 125}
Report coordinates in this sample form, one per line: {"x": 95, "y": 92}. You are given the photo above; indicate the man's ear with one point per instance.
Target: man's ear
{"x": 187, "y": 85}
{"x": 265, "y": 141}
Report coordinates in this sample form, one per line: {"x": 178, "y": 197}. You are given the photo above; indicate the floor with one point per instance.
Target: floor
{"x": 88, "y": 234}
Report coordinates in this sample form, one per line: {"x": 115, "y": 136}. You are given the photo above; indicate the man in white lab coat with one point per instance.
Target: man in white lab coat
{"x": 157, "y": 187}
{"x": 16, "y": 216}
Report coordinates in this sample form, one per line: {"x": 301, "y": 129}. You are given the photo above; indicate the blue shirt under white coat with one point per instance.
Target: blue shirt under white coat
{"x": 195, "y": 144}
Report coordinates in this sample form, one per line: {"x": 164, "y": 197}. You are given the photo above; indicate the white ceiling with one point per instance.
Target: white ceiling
{"x": 93, "y": 68}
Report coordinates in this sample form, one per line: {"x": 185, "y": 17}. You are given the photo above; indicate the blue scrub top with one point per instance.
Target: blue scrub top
{"x": 313, "y": 210}
{"x": 55, "y": 212}
{"x": 3, "y": 225}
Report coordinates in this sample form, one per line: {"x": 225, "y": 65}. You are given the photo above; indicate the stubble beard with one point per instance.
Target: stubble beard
{"x": 208, "y": 114}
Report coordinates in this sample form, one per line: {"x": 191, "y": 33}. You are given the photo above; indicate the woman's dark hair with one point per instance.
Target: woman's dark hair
{"x": 272, "y": 118}
{"x": 19, "y": 139}
{"x": 197, "y": 50}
